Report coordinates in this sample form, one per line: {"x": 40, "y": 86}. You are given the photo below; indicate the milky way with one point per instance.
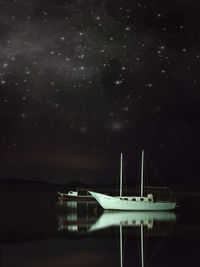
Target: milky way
{"x": 96, "y": 77}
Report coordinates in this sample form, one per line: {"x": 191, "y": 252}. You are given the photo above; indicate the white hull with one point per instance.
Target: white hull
{"x": 115, "y": 203}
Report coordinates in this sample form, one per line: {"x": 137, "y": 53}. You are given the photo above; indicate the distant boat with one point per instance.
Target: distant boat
{"x": 137, "y": 202}
{"x": 78, "y": 195}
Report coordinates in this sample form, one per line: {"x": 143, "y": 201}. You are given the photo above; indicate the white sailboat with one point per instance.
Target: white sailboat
{"x": 139, "y": 202}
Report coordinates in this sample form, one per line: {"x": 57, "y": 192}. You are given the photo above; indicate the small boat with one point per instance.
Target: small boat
{"x": 136, "y": 202}
{"x": 78, "y": 195}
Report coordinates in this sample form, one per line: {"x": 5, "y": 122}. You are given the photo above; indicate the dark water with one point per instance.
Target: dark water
{"x": 37, "y": 230}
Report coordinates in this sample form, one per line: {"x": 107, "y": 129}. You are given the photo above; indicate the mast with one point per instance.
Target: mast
{"x": 120, "y": 187}
{"x": 142, "y": 173}
{"x": 121, "y": 254}
{"x": 142, "y": 246}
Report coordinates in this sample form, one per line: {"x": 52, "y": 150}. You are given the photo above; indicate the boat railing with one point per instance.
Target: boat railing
{"x": 159, "y": 193}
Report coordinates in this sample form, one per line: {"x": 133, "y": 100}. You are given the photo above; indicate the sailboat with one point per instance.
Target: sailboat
{"x": 138, "y": 202}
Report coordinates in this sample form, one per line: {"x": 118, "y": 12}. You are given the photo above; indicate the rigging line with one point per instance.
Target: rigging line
{"x": 124, "y": 246}
{"x": 117, "y": 185}
{"x": 146, "y": 180}
{"x": 138, "y": 243}
{"x": 154, "y": 169}
{"x": 124, "y": 179}
{"x": 155, "y": 250}
{"x": 118, "y": 179}
{"x": 138, "y": 176}
{"x": 118, "y": 239}
{"x": 146, "y": 242}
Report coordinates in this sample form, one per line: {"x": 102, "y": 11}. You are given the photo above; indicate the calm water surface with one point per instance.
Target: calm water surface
{"x": 38, "y": 230}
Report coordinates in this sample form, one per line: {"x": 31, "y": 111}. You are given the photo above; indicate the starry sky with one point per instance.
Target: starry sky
{"x": 83, "y": 80}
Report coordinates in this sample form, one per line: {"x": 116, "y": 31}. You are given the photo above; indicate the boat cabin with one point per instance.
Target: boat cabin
{"x": 72, "y": 193}
{"x": 149, "y": 198}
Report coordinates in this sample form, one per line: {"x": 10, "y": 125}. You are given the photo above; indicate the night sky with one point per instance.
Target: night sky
{"x": 83, "y": 80}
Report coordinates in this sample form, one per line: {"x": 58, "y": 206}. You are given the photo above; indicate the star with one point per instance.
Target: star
{"x": 78, "y": 75}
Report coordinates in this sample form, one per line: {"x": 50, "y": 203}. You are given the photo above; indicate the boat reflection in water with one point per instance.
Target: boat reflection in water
{"x": 76, "y": 216}
{"x": 135, "y": 219}
{"x": 67, "y": 204}
{"x": 83, "y": 217}
{"x": 132, "y": 219}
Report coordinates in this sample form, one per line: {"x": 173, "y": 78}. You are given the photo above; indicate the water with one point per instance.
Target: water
{"x": 37, "y": 230}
